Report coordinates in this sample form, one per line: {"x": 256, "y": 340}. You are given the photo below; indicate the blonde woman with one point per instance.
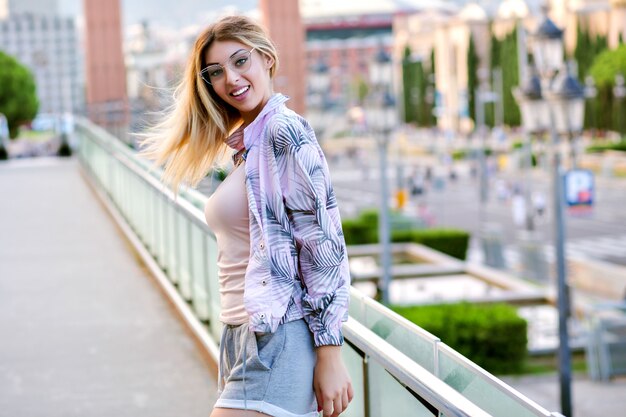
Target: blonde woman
{"x": 283, "y": 271}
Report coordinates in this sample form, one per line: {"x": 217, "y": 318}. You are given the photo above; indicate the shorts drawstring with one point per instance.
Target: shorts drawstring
{"x": 246, "y": 335}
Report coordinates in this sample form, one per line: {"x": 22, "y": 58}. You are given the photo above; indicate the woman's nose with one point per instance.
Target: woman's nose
{"x": 231, "y": 75}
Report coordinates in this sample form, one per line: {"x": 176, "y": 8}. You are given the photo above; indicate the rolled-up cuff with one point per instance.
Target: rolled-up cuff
{"x": 328, "y": 337}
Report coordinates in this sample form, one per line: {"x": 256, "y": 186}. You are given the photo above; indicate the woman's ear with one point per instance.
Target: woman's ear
{"x": 269, "y": 62}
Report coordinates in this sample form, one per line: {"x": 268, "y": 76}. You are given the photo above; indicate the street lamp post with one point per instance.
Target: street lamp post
{"x": 565, "y": 107}
{"x": 381, "y": 116}
{"x": 534, "y": 121}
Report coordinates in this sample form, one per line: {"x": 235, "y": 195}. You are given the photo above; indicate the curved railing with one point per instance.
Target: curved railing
{"x": 398, "y": 369}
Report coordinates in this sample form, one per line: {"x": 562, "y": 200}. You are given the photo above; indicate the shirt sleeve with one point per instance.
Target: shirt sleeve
{"x": 316, "y": 226}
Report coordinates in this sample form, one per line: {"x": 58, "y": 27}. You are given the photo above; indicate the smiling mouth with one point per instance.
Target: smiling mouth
{"x": 240, "y": 91}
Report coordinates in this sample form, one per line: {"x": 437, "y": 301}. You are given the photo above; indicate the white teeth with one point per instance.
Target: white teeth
{"x": 240, "y": 91}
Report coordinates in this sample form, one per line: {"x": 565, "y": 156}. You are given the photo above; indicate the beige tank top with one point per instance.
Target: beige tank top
{"x": 226, "y": 214}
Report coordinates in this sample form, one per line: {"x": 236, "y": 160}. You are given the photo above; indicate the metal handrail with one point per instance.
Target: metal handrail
{"x": 439, "y": 346}
{"x": 424, "y": 385}
{"x": 415, "y": 378}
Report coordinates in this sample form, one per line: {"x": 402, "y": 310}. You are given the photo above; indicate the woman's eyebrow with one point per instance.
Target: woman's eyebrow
{"x": 232, "y": 55}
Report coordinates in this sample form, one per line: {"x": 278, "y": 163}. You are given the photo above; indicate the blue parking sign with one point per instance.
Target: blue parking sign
{"x": 579, "y": 188}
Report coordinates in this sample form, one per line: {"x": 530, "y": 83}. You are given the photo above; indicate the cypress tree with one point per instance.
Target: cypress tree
{"x": 494, "y": 62}
{"x": 472, "y": 77}
{"x": 408, "y": 87}
{"x": 432, "y": 119}
{"x": 510, "y": 78}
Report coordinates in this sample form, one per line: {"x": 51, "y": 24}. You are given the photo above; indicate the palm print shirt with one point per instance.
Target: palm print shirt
{"x": 298, "y": 263}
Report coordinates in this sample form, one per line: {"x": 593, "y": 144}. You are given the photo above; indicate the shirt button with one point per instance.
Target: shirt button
{"x": 264, "y": 282}
{"x": 262, "y": 245}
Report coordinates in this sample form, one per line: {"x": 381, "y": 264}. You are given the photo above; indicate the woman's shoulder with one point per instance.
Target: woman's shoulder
{"x": 289, "y": 123}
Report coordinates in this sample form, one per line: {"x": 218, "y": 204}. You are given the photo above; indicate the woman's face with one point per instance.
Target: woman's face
{"x": 246, "y": 89}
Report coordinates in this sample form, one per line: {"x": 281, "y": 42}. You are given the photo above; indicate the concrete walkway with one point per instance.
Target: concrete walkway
{"x": 84, "y": 331}
{"x": 589, "y": 398}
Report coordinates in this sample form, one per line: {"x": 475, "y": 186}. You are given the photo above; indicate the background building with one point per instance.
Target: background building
{"x": 282, "y": 19}
{"x": 107, "y": 102}
{"x": 48, "y": 45}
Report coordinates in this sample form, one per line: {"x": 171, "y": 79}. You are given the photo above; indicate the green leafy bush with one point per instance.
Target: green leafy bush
{"x": 491, "y": 335}
{"x": 459, "y": 154}
{"x": 453, "y": 242}
{"x": 364, "y": 229}
{"x": 601, "y": 147}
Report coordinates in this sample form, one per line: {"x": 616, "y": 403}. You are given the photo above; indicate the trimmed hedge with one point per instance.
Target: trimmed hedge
{"x": 491, "y": 335}
{"x": 601, "y": 147}
{"x": 364, "y": 230}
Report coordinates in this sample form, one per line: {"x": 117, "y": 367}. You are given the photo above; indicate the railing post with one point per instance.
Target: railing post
{"x": 366, "y": 387}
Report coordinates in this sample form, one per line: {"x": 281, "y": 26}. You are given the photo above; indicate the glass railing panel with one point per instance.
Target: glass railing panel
{"x": 354, "y": 363}
{"x": 387, "y": 397}
{"x": 394, "y": 330}
{"x": 135, "y": 201}
{"x": 200, "y": 292}
{"x": 184, "y": 265}
{"x": 163, "y": 225}
{"x": 160, "y": 228}
{"x": 173, "y": 257}
{"x": 481, "y": 388}
{"x": 152, "y": 220}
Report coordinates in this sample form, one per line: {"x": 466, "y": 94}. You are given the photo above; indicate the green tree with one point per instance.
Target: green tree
{"x": 597, "y": 110}
{"x": 409, "y": 87}
{"x": 431, "y": 83}
{"x": 472, "y": 77}
{"x": 494, "y": 62}
{"x": 510, "y": 78}
{"x": 604, "y": 69}
{"x": 359, "y": 89}
{"x": 18, "y": 96}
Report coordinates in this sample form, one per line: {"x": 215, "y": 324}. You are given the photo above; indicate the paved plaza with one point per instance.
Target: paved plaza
{"x": 84, "y": 331}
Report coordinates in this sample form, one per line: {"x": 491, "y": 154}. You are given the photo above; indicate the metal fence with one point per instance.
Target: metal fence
{"x": 398, "y": 369}
{"x": 606, "y": 344}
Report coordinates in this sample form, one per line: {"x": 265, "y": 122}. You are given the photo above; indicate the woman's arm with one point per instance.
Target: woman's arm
{"x": 316, "y": 227}
{"x": 314, "y": 221}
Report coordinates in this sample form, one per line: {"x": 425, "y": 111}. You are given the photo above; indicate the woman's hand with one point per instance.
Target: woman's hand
{"x": 331, "y": 381}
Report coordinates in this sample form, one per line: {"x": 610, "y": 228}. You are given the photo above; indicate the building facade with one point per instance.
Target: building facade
{"x": 48, "y": 46}
{"x": 106, "y": 98}
{"x": 282, "y": 19}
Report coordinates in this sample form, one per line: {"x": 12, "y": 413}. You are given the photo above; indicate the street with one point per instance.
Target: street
{"x": 599, "y": 234}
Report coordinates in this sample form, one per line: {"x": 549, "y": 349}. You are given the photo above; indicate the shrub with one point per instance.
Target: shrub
{"x": 357, "y": 232}
{"x": 459, "y": 154}
{"x": 453, "y": 242}
{"x": 491, "y": 335}
{"x": 601, "y": 147}
{"x": 364, "y": 230}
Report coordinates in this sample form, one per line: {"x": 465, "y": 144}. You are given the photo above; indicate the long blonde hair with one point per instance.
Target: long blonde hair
{"x": 192, "y": 135}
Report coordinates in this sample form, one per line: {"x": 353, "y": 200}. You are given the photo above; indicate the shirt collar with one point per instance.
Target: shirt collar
{"x": 252, "y": 132}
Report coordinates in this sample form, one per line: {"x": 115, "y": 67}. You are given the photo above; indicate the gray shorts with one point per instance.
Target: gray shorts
{"x": 268, "y": 372}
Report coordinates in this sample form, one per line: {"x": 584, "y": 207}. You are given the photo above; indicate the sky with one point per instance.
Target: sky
{"x": 169, "y": 13}
{"x": 176, "y": 13}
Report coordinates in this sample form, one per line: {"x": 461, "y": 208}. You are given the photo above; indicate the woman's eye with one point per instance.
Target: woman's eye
{"x": 215, "y": 72}
{"x": 241, "y": 61}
